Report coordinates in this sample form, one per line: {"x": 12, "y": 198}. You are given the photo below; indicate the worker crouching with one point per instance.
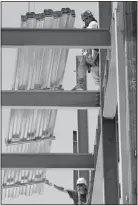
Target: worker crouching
{"x": 90, "y": 57}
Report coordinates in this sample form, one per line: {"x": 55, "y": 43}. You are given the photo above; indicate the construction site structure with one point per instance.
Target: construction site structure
{"x": 113, "y": 163}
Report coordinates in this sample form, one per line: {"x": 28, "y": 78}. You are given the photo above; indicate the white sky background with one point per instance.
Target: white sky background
{"x": 66, "y": 119}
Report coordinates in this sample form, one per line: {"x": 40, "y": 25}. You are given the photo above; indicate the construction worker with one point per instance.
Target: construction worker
{"x": 79, "y": 196}
{"x": 90, "y": 57}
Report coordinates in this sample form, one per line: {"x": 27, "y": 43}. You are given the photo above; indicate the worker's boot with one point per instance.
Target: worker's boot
{"x": 80, "y": 84}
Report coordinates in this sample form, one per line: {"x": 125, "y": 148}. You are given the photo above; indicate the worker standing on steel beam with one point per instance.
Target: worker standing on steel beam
{"x": 79, "y": 196}
{"x": 90, "y": 57}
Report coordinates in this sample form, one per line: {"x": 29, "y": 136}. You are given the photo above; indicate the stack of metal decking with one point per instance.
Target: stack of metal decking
{"x": 31, "y": 130}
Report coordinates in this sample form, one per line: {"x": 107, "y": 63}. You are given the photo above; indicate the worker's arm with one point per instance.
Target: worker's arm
{"x": 72, "y": 193}
{"x": 94, "y": 25}
{"x": 88, "y": 53}
{"x": 56, "y": 187}
{"x": 60, "y": 188}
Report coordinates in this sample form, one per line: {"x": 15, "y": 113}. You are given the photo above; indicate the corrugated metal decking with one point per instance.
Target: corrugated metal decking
{"x": 31, "y": 131}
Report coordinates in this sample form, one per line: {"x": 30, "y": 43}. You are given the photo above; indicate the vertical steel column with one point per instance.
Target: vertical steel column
{"x": 83, "y": 138}
{"x": 121, "y": 98}
{"x": 104, "y": 22}
{"x": 110, "y": 163}
{"x": 75, "y": 150}
{"x": 82, "y": 115}
{"x": 90, "y": 191}
{"x": 130, "y": 32}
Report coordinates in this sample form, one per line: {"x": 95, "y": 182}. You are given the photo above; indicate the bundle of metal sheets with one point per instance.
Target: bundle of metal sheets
{"x": 31, "y": 130}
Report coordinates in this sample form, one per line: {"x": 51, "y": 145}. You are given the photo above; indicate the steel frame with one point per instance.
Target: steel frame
{"x": 121, "y": 98}
{"x": 41, "y": 99}
{"x": 97, "y": 38}
{"x": 75, "y": 150}
{"x": 82, "y": 119}
{"x": 82, "y": 38}
{"x": 110, "y": 187}
{"x": 52, "y": 160}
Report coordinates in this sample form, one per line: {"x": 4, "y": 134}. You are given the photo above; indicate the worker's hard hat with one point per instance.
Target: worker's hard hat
{"x": 86, "y": 14}
{"x": 81, "y": 181}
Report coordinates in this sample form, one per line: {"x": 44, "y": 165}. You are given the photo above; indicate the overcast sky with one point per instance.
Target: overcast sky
{"x": 11, "y": 12}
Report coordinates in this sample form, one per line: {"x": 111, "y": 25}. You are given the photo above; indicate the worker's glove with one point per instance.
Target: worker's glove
{"x": 48, "y": 183}
{"x": 85, "y": 54}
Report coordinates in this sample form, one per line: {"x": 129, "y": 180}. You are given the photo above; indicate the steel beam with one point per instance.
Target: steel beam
{"x": 53, "y": 160}
{"x": 105, "y": 17}
{"x": 83, "y": 143}
{"x": 49, "y": 99}
{"x": 77, "y": 38}
{"x": 91, "y": 186}
{"x": 75, "y": 150}
{"x": 105, "y": 22}
{"x": 110, "y": 99}
{"x": 110, "y": 162}
{"x": 130, "y": 31}
{"x": 98, "y": 178}
{"x": 121, "y": 98}
{"x": 107, "y": 166}
{"x": 82, "y": 119}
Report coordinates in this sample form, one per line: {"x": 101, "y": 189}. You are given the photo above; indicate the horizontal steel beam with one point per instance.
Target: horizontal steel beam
{"x": 55, "y": 160}
{"x": 97, "y": 38}
{"x": 50, "y": 98}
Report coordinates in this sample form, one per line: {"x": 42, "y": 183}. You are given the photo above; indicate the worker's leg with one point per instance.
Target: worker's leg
{"x": 95, "y": 74}
{"x": 90, "y": 60}
{"x": 94, "y": 61}
{"x": 82, "y": 69}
